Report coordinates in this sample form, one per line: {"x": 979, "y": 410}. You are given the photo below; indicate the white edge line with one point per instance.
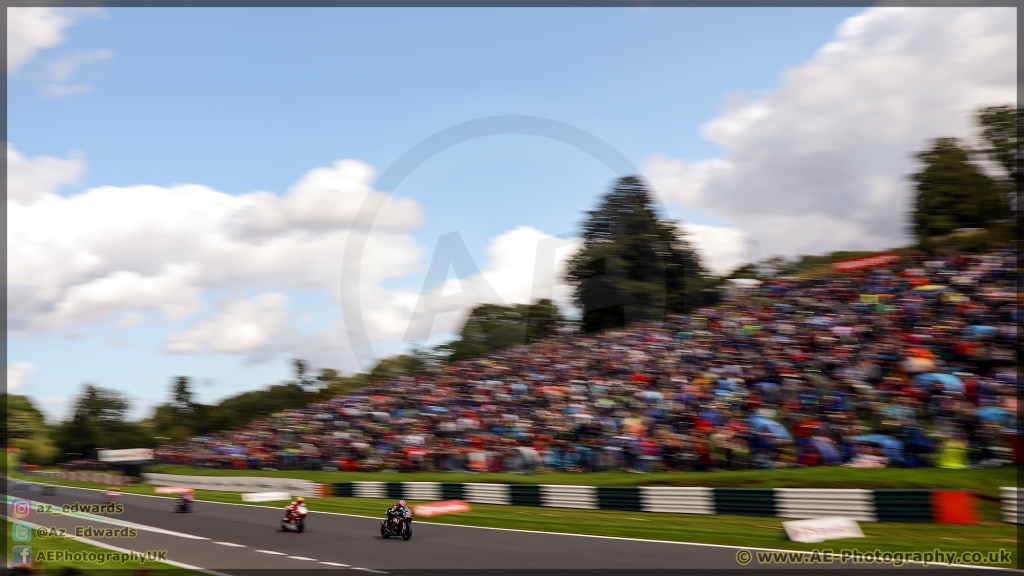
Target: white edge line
{"x": 124, "y": 550}
{"x": 727, "y": 546}
{"x": 126, "y": 523}
{"x": 335, "y": 564}
{"x": 231, "y": 544}
{"x": 302, "y": 558}
{"x": 272, "y": 552}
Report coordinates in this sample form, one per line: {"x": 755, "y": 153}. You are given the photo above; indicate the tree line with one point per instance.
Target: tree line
{"x": 634, "y": 265}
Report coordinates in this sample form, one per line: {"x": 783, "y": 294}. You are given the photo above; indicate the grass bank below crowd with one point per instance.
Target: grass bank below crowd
{"x": 86, "y": 568}
{"x": 749, "y": 531}
{"x": 985, "y": 481}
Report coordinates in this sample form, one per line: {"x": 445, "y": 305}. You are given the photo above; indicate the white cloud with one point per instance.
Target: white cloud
{"x": 29, "y": 180}
{"x": 241, "y": 326}
{"x": 511, "y": 275}
{"x": 119, "y": 253}
{"x": 721, "y": 248}
{"x": 59, "y": 72}
{"x": 30, "y": 29}
{"x": 133, "y": 318}
{"x": 19, "y": 376}
{"x": 821, "y": 163}
{"x": 84, "y": 258}
{"x": 116, "y": 343}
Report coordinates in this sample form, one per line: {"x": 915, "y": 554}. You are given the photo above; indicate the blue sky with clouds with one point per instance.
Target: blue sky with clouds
{"x": 111, "y": 113}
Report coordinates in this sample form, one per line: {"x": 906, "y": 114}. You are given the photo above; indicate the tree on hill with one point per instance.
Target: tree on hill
{"x": 1000, "y": 130}
{"x": 633, "y": 266}
{"x": 491, "y": 327}
{"x": 99, "y": 421}
{"x": 26, "y": 429}
{"x": 952, "y": 192}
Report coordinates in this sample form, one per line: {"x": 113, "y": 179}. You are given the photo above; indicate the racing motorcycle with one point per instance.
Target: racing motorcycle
{"x": 111, "y": 496}
{"x": 397, "y": 526}
{"x": 184, "y": 503}
{"x": 294, "y": 518}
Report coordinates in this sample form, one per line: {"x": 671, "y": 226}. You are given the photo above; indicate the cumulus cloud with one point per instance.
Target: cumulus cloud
{"x": 84, "y": 258}
{"x": 31, "y": 29}
{"x": 118, "y": 254}
{"x": 821, "y": 163}
{"x": 19, "y": 376}
{"x": 133, "y": 318}
{"x": 523, "y": 265}
{"x": 721, "y": 248}
{"x": 29, "y": 180}
{"x": 240, "y": 326}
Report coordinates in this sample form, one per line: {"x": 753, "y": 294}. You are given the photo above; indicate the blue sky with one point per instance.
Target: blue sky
{"x": 251, "y": 100}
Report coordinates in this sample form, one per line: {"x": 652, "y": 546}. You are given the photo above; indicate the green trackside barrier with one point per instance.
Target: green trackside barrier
{"x": 619, "y": 498}
{"x": 903, "y": 505}
{"x": 394, "y": 490}
{"x": 343, "y": 489}
{"x": 525, "y": 495}
{"x": 745, "y": 501}
{"x": 452, "y": 491}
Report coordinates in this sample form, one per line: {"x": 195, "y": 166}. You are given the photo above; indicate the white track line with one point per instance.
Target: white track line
{"x": 302, "y": 558}
{"x": 727, "y": 546}
{"x": 125, "y": 551}
{"x": 335, "y": 564}
{"x": 232, "y": 544}
{"x": 271, "y": 552}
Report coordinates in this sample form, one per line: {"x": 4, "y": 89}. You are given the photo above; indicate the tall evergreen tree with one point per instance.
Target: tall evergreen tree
{"x": 634, "y": 266}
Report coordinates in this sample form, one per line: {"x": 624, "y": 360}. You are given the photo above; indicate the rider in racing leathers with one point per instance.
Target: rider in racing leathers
{"x": 399, "y": 510}
{"x": 294, "y": 506}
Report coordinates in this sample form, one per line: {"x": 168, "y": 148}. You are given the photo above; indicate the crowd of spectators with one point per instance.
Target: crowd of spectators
{"x": 909, "y": 365}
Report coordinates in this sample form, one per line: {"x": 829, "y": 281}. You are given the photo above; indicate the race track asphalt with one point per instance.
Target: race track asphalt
{"x": 235, "y": 538}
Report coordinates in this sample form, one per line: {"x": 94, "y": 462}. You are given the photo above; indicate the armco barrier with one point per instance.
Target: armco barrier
{"x": 677, "y": 499}
{"x": 745, "y": 501}
{"x": 903, "y": 505}
{"x": 524, "y": 495}
{"x": 369, "y": 490}
{"x": 486, "y": 493}
{"x": 394, "y": 490}
{"x": 1009, "y": 504}
{"x": 862, "y": 505}
{"x": 112, "y": 479}
{"x": 234, "y": 483}
{"x": 452, "y": 491}
{"x": 343, "y": 489}
{"x": 430, "y": 491}
{"x": 823, "y": 503}
{"x": 619, "y": 498}
{"x": 557, "y": 496}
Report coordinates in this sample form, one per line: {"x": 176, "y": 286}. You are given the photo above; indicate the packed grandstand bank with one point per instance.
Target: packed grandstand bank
{"x": 909, "y": 365}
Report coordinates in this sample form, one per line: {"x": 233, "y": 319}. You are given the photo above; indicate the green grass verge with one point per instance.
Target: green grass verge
{"x": 764, "y": 532}
{"x": 85, "y": 567}
{"x": 985, "y": 481}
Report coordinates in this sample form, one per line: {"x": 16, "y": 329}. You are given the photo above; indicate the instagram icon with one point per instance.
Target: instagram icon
{"x": 21, "y": 508}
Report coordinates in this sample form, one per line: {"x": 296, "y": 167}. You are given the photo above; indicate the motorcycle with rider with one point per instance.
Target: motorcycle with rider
{"x": 398, "y": 522}
{"x": 295, "y": 515}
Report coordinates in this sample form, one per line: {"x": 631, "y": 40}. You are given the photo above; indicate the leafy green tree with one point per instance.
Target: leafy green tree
{"x": 26, "y": 429}
{"x": 98, "y": 421}
{"x": 1000, "y": 131}
{"x": 633, "y": 266}
{"x": 952, "y": 192}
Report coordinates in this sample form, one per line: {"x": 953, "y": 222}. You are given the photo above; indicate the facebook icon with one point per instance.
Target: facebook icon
{"x": 21, "y": 555}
